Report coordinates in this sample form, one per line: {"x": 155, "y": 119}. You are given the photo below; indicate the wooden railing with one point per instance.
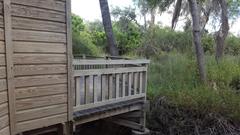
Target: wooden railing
{"x": 102, "y": 82}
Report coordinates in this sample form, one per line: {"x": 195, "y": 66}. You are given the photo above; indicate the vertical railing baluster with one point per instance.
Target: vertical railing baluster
{"x": 82, "y": 90}
{"x": 135, "y": 85}
{"x": 110, "y": 83}
{"x": 129, "y": 84}
{"x": 123, "y": 85}
{"x": 78, "y": 95}
{"x": 140, "y": 82}
{"x": 117, "y": 85}
{"x": 97, "y": 87}
{"x": 104, "y": 87}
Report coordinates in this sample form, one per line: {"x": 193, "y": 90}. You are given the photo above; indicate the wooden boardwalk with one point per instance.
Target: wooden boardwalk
{"x": 41, "y": 85}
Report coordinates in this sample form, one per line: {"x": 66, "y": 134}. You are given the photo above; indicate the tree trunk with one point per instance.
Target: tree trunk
{"x": 223, "y": 32}
{"x": 197, "y": 39}
{"x": 106, "y": 19}
{"x": 152, "y": 21}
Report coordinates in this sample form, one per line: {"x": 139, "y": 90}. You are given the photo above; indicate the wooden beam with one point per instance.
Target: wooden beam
{"x": 109, "y": 62}
{"x": 69, "y": 58}
{"x": 9, "y": 63}
{"x": 107, "y": 114}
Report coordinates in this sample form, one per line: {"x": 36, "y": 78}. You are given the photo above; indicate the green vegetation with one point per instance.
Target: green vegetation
{"x": 174, "y": 76}
{"x": 173, "y": 73}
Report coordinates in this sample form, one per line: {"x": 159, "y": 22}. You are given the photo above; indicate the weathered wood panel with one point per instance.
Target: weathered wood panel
{"x": 30, "y": 103}
{"x": 3, "y": 97}
{"x": 41, "y": 112}
{"x": 40, "y": 91}
{"x": 3, "y": 109}
{"x": 2, "y": 60}
{"x": 29, "y": 81}
{"x": 23, "y": 70}
{"x": 2, "y": 72}
{"x": 5, "y": 131}
{"x": 39, "y": 59}
{"x": 47, "y": 4}
{"x": 38, "y": 36}
{"x": 3, "y": 85}
{"x": 39, "y": 25}
{"x": 43, "y": 122}
{"x": 37, "y": 13}
{"x": 4, "y": 122}
{"x": 1, "y": 21}
{"x": 37, "y": 47}
{"x": 2, "y": 47}
{"x": 39, "y": 39}
{"x": 1, "y": 34}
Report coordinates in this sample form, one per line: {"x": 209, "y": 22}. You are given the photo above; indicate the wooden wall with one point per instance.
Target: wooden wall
{"x": 4, "y": 117}
{"x": 40, "y": 57}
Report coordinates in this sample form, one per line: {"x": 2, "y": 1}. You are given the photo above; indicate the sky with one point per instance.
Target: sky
{"x": 89, "y": 10}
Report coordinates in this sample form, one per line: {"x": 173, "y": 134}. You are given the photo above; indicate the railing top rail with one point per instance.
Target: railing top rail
{"x": 109, "y": 62}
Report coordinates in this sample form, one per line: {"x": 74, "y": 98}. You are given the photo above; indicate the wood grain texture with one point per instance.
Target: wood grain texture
{"x": 3, "y": 85}
{"x": 37, "y": 13}
{"x": 4, "y": 122}
{"x": 2, "y": 72}
{"x": 2, "y": 47}
{"x": 3, "y": 97}
{"x": 47, "y": 4}
{"x": 3, "y": 109}
{"x": 37, "y": 47}
{"x": 21, "y": 70}
{"x": 43, "y": 122}
{"x": 29, "y": 81}
{"x": 30, "y": 103}
{"x": 39, "y": 59}
{"x": 2, "y": 34}
{"x": 1, "y": 21}
{"x": 41, "y": 112}
{"x": 2, "y": 60}
{"x": 5, "y": 131}
{"x": 41, "y": 91}
{"x": 69, "y": 58}
{"x": 38, "y": 36}
{"x": 39, "y": 25}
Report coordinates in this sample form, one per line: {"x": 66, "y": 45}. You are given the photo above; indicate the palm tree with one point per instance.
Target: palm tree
{"x": 106, "y": 19}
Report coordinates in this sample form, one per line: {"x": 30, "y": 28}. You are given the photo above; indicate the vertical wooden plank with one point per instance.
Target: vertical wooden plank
{"x": 78, "y": 95}
{"x": 135, "y": 85}
{"x": 82, "y": 90}
{"x": 144, "y": 90}
{"x": 104, "y": 87}
{"x": 89, "y": 89}
{"x": 140, "y": 82}
{"x": 69, "y": 58}
{"x": 129, "y": 84}
{"x": 9, "y": 61}
{"x": 124, "y": 85}
{"x": 117, "y": 85}
{"x": 110, "y": 86}
{"x": 97, "y": 87}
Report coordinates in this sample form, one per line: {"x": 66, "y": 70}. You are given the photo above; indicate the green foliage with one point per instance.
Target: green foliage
{"x": 232, "y": 45}
{"x": 128, "y": 36}
{"x": 174, "y": 76}
{"x": 82, "y": 40}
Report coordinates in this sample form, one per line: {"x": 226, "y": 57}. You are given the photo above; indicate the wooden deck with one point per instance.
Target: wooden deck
{"x": 106, "y": 85}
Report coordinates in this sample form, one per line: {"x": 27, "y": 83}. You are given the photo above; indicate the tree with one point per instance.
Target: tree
{"x": 106, "y": 19}
{"x": 223, "y": 32}
{"x": 197, "y": 38}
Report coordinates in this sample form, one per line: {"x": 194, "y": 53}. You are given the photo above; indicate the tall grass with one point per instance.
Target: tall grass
{"x": 175, "y": 77}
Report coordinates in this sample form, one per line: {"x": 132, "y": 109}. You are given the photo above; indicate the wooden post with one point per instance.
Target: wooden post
{"x": 69, "y": 59}
{"x": 9, "y": 61}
